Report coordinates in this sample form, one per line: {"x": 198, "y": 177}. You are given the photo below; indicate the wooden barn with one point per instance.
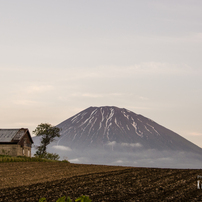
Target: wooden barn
{"x": 15, "y": 142}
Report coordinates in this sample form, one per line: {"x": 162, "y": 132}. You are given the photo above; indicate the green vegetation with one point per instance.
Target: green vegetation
{"x": 48, "y": 156}
{"x": 48, "y": 134}
{"x": 64, "y": 199}
{"x": 7, "y": 158}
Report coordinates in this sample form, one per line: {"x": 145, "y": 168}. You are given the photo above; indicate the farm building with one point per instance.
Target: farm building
{"x": 15, "y": 142}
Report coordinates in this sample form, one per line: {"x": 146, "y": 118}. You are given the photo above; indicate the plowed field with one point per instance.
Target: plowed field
{"x": 30, "y": 181}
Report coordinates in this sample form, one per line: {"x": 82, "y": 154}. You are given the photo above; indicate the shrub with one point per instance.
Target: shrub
{"x": 6, "y": 158}
{"x": 64, "y": 199}
{"x": 65, "y": 161}
{"x": 49, "y": 156}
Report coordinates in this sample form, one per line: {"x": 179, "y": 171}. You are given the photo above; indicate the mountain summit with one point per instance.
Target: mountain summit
{"x": 100, "y": 126}
{"x": 117, "y": 136}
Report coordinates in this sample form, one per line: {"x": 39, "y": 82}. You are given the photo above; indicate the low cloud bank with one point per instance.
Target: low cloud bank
{"x": 131, "y": 145}
{"x": 63, "y": 148}
{"x": 147, "y": 158}
{"x": 74, "y": 160}
{"x": 113, "y": 143}
{"x": 126, "y": 154}
{"x": 123, "y": 144}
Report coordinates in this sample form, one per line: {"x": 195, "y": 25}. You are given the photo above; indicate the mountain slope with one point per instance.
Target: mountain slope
{"x": 117, "y": 136}
{"x": 98, "y": 126}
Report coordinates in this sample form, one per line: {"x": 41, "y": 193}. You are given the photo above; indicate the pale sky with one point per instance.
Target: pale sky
{"x": 60, "y": 57}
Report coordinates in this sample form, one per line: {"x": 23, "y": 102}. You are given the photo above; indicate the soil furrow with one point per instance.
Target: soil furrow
{"x": 100, "y": 183}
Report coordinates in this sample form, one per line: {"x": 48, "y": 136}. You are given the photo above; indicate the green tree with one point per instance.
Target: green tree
{"x": 48, "y": 134}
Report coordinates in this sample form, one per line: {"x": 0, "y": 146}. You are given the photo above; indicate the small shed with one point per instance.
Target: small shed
{"x": 15, "y": 142}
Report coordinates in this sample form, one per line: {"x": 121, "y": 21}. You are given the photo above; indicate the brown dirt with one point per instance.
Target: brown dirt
{"x": 27, "y": 181}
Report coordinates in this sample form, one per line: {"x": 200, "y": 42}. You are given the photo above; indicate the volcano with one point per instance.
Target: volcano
{"x": 108, "y": 133}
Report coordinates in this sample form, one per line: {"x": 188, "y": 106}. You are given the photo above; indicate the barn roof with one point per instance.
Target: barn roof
{"x": 9, "y": 135}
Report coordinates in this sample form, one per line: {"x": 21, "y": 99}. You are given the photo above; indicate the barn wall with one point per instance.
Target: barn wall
{"x": 25, "y": 141}
{"x": 15, "y": 150}
{"x": 27, "y": 151}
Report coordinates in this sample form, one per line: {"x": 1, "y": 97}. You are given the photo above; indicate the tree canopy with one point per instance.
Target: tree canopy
{"x": 48, "y": 134}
